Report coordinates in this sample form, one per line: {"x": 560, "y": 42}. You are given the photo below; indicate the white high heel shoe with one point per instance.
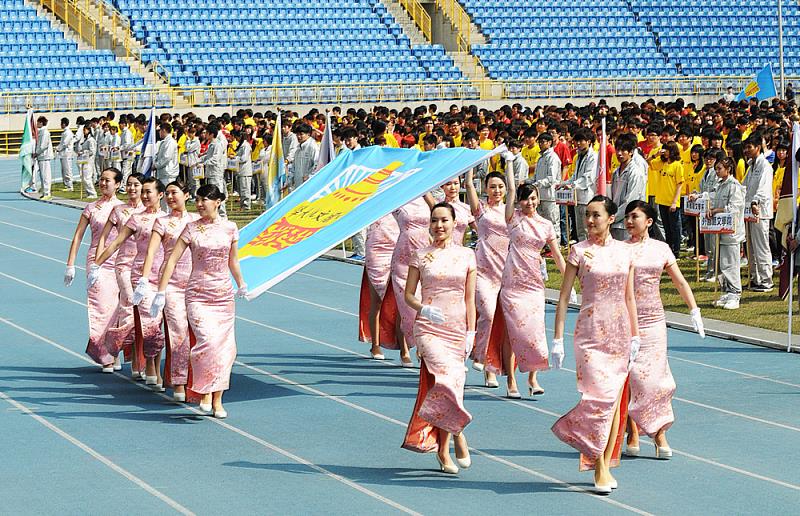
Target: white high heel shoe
{"x": 450, "y": 469}
{"x": 150, "y": 380}
{"x": 602, "y": 489}
{"x": 631, "y": 451}
{"x": 205, "y": 408}
{"x": 117, "y": 364}
{"x": 514, "y": 395}
{"x": 180, "y": 397}
{"x": 478, "y": 366}
{"x": 109, "y": 369}
{"x": 663, "y": 452}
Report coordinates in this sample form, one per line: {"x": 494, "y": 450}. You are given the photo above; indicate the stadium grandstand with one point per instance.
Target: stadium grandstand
{"x": 91, "y": 55}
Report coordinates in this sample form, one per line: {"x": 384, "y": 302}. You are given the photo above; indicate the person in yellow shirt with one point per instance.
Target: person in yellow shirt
{"x": 428, "y": 127}
{"x": 668, "y": 195}
{"x": 530, "y": 150}
{"x": 454, "y": 130}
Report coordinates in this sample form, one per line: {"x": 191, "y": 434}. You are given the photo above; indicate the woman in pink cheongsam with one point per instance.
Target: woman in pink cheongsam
{"x": 464, "y": 218}
{"x": 444, "y": 330}
{"x": 381, "y": 240}
{"x": 148, "y": 335}
{"x": 120, "y": 335}
{"x": 396, "y": 318}
{"x": 518, "y": 337}
{"x": 650, "y": 382}
{"x": 606, "y": 341}
{"x": 103, "y": 296}
{"x": 490, "y": 254}
{"x": 166, "y": 232}
{"x": 210, "y": 306}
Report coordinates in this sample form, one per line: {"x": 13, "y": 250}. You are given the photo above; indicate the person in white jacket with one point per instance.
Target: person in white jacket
{"x": 86, "y": 159}
{"x": 306, "y": 158}
{"x": 114, "y": 141}
{"x": 245, "y": 174}
{"x": 584, "y": 180}
{"x": 166, "y": 158}
{"x": 758, "y": 197}
{"x": 546, "y": 177}
{"x": 127, "y": 149}
{"x": 215, "y": 160}
{"x": 192, "y": 154}
{"x": 66, "y": 154}
{"x": 44, "y": 156}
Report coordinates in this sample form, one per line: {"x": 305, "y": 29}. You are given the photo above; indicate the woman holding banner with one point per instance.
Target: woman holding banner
{"x": 209, "y": 296}
{"x": 518, "y": 335}
{"x": 650, "y": 379}
{"x": 103, "y": 297}
{"x": 464, "y": 216}
{"x": 444, "y": 330}
{"x": 606, "y": 342}
{"x": 396, "y": 317}
{"x": 490, "y": 254}
{"x": 163, "y": 239}
{"x": 381, "y": 241}
{"x": 120, "y": 336}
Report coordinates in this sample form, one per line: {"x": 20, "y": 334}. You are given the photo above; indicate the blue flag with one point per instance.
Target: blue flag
{"x": 762, "y": 86}
{"x": 348, "y": 194}
{"x": 148, "y": 152}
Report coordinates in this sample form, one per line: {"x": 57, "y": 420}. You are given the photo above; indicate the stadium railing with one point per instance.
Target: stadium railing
{"x": 288, "y": 94}
{"x": 419, "y": 15}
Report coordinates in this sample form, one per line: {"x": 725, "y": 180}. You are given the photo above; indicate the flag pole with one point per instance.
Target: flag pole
{"x": 791, "y": 289}
{"x": 780, "y": 48}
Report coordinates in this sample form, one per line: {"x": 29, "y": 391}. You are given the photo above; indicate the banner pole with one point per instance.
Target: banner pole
{"x": 697, "y": 248}
{"x": 716, "y": 265}
{"x": 791, "y": 306}
{"x": 747, "y": 249}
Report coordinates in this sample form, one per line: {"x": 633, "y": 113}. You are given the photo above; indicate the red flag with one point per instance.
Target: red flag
{"x": 786, "y": 214}
{"x": 602, "y": 162}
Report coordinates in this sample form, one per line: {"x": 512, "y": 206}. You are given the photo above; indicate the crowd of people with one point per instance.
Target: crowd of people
{"x": 423, "y": 286}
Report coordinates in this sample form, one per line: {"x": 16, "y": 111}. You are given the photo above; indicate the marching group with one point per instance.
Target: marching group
{"x": 421, "y": 287}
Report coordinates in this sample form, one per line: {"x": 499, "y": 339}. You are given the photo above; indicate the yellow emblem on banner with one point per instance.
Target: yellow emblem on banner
{"x": 307, "y": 218}
{"x": 751, "y": 89}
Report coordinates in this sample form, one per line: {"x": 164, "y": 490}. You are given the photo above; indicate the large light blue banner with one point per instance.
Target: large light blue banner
{"x": 348, "y": 194}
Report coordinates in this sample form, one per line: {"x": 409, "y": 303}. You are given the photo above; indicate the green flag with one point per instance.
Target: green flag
{"x": 26, "y": 151}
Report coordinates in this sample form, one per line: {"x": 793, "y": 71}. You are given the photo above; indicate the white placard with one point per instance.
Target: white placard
{"x": 115, "y": 154}
{"x": 748, "y": 214}
{"x": 197, "y": 171}
{"x": 565, "y": 197}
{"x": 721, "y": 223}
{"x": 693, "y": 208}
{"x": 104, "y": 151}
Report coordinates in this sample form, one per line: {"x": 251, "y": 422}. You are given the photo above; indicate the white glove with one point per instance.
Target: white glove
{"x": 508, "y": 156}
{"x": 573, "y": 297}
{"x": 543, "y": 268}
{"x": 159, "y": 300}
{"x": 241, "y": 293}
{"x": 142, "y": 290}
{"x": 433, "y": 313}
{"x": 636, "y": 343}
{"x": 557, "y": 354}
{"x": 94, "y": 273}
{"x": 69, "y": 275}
{"x": 697, "y": 322}
{"x": 469, "y": 342}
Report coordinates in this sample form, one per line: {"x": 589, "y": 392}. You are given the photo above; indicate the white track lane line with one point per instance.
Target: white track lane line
{"x": 223, "y": 424}
{"x": 98, "y": 456}
{"x": 327, "y": 279}
{"x": 71, "y": 221}
{"x": 39, "y": 232}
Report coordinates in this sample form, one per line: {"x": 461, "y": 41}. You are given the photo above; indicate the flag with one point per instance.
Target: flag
{"x": 148, "y": 152}
{"x": 326, "y": 151}
{"x": 276, "y": 166}
{"x": 26, "y": 149}
{"x": 762, "y": 86}
{"x": 602, "y": 162}
{"x": 354, "y": 190}
{"x": 786, "y": 214}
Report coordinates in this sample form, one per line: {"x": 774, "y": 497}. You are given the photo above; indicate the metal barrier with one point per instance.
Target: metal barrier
{"x": 289, "y": 94}
{"x": 75, "y": 18}
{"x": 419, "y": 15}
{"x": 460, "y": 21}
